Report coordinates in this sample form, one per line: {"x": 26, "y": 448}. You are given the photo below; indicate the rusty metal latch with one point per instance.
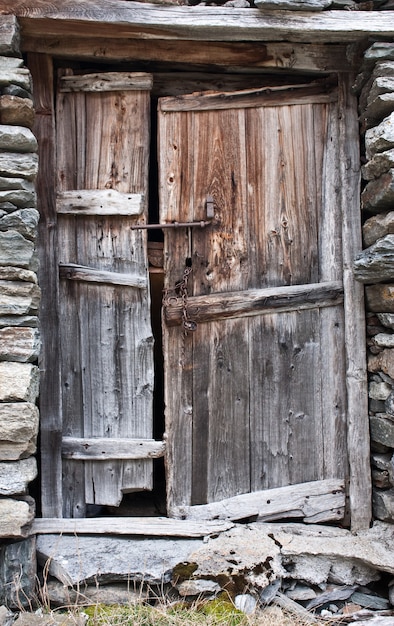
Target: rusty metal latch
{"x": 210, "y": 212}
{"x": 200, "y": 224}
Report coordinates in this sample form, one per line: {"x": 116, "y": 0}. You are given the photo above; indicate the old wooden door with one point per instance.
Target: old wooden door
{"x": 102, "y": 134}
{"x": 255, "y": 396}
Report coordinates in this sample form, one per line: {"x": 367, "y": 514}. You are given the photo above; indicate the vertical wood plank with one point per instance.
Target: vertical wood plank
{"x": 286, "y": 415}
{"x": 50, "y": 401}
{"x": 221, "y": 430}
{"x": 356, "y": 382}
{"x": 174, "y": 133}
{"x": 333, "y": 373}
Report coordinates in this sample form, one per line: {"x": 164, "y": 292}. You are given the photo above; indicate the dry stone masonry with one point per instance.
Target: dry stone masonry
{"x": 19, "y": 335}
{"x": 375, "y": 265}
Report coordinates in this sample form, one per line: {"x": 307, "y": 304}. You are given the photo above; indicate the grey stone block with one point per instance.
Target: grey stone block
{"x": 17, "y": 139}
{"x": 19, "y": 344}
{"x": 18, "y": 382}
{"x": 383, "y": 505}
{"x": 15, "y": 476}
{"x": 16, "y": 517}
{"x": 24, "y": 221}
{"x": 382, "y": 430}
{"x": 15, "y": 250}
{"x": 376, "y": 263}
{"x": 18, "y": 568}
{"x": 381, "y": 137}
{"x": 75, "y": 559}
{"x": 378, "y": 195}
{"x": 18, "y": 297}
{"x": 18, "y": 430}
{"x": 17, "y": 164}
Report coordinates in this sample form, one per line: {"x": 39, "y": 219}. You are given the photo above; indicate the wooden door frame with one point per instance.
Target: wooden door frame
{"x": 38, "y": 35}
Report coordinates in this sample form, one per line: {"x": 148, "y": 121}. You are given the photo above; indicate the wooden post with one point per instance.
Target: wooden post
{"x": 358, "y": 428}
{"x": 41, "y": 69}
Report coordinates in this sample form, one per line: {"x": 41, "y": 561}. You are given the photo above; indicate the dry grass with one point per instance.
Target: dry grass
{"x": 214, "y": 613}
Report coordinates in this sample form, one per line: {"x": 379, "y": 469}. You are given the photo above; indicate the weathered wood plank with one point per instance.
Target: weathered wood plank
{"x": 50, "y": 397}
{"x": 331, "y": 319}
{"x": 106, "y": 335}
{"x": 72, "y": 271}
{"x": 356, "y": 383}
{"x": 222, "y": 432}
{"x": 325, "y": 498}
{"x": 177, "y": 346}
{"x": 208, "y": 23}
{"x": 266, "y": 96}
{"x": 106, "y": 449}
{"x": 147, "y": 526}
{"x": 254, "y": 302}
{"x": 279, "y": 56}
{"x": 99, "y": 202}
{"x": 108, "y": 81}
{"x": 287, "y": 428}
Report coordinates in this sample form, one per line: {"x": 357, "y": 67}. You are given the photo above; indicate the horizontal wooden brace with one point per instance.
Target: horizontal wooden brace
{"x": 104, "y": 449}
{"x": 146, "y": 526}
{"x": 99, "y": 202}
{"x": 315, "y": 501}
{"x": 254, "y": 302}
{"x": 247, "y": 98}
{"x": 71, "y": 271}
{"x": 109, "y": 81}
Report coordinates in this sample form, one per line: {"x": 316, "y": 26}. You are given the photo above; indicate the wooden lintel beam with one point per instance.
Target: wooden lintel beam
{"x": 148, "y": 21}
{"x": 279, "y": 56}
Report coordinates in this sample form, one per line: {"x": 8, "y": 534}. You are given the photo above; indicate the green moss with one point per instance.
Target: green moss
{"x": 218, "y": 612}
{"x": 183, "y": 571}
{"x": 223, "y": 611}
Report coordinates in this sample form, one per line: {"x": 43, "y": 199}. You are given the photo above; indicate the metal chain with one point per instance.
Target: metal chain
{"x": 187, "y": 323}
{"x": 173, "y": 297}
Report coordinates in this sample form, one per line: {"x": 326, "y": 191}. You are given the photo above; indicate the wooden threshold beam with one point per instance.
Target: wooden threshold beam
{"x": 146, "y": 526}
{"x": 148, "y": 21}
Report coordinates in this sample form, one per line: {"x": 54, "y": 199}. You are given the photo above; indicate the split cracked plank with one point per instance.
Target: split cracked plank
{"x": 72, "y": 271}
{"x": 314, "y": 501}
{"x": 148, "y": 21}
{"x": 147, "y": 526}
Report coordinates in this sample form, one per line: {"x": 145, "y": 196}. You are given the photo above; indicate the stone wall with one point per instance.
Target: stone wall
{"x": 375, "y": 266}
{"x": 19, "y": 334}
